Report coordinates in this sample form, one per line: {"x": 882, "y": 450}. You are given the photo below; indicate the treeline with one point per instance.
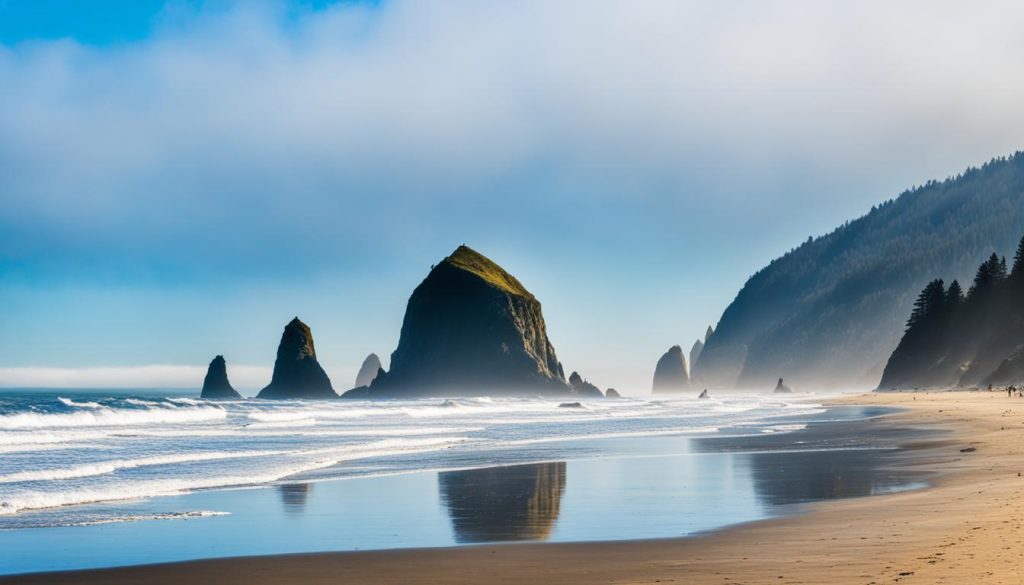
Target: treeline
{"x": 958, "y": 339}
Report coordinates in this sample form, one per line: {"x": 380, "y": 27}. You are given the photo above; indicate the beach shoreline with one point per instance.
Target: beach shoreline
{"x": 961, "y": 529}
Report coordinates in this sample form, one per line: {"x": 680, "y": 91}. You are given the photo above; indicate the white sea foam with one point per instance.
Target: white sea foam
{"x": 105, "y": 467}
{"x": 105, "y": 416}
{"x": 21, "y": 500}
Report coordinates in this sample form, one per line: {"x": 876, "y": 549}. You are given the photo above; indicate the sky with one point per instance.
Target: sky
{"x": 179, "y": 179}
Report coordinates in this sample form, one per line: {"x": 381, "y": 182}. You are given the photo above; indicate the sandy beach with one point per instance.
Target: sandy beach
{"x": 964, "y": 529}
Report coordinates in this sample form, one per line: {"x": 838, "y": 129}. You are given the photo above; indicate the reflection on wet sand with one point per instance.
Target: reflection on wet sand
{"x": 519, "y": 502}
{"x": 799, "y": 477}
{"x": 293, "y": 497}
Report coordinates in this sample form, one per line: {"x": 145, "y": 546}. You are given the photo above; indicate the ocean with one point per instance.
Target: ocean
{"x": 129, "y": 477}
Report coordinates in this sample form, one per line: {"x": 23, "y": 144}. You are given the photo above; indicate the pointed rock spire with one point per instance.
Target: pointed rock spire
{"x": 368, "y": 371}
{"x": 297, "y": 373}
{"x": 670, "y": 373}
{"x": 216, "y": 385}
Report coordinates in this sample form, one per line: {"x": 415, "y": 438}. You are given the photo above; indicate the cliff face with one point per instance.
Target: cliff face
{"x": 831, "y": 311}
{"x": 216, "y": 385}
{"x": 670, "y": 373}
{"x": 368, "y": 371}
{"x": 471, "y": 328}
{"x": 297, "y": 373}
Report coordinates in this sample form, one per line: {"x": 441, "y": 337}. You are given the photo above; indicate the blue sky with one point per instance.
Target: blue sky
{"x": 179, "y": 179}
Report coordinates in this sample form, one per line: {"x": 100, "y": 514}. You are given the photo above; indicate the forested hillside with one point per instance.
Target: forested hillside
{"x": 957, "y": 340}
{"x": 830, "y": 312}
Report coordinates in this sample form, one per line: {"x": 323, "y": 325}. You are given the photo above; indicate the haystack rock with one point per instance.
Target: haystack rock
{"x": 781, "y": 388}
{"x": 612, "y": 393}
{"x": 297, "y": 374}
{"x": 216, "y": 385}
{"x": 670, "y": 373}
{"x": 583, "y": 388}
{"x": 471, "y": 328}
{"x": 368, "y": 371}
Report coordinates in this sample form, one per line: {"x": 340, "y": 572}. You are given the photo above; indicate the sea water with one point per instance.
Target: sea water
{"x": 97, "y": 479}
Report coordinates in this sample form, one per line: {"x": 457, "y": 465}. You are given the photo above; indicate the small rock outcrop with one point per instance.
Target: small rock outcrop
{"x": 708, "y": 334}
{"x": 670, "y": 373}
{"x": 612, "y": 393}
{"x": 297, "y": 373}
{"x": 471, "y": 328}
{"x": 581, "y": 387}
{"x": 704, "y": 394}
{"x": 368, "y": 371}
{"x": 781, "y": 388}
{"x": 570, "y": 405}
{"x": 216, "y": 385}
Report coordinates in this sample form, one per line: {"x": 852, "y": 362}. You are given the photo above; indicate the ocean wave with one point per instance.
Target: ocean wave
{"x": 21, "y": 500}
{"x": 105, "y": 467}
{"x": 73, "y": 404}
{"x": 106, "y": 416}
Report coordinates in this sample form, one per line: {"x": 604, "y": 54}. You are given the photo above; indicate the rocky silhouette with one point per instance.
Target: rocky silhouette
{"x": 704, "y": 394}
{"x": 216, "y": 385}
{"x": 670, "y": 373}
{"x": 471, "y": 328}
{"x": 698, "y": 347}
{"x": 612, "y": 393}
{"x": 583, "y": 388}
{"x": 368, "y": 371}
{"x": 781, "y": 388}
{"x": 297, "y": 373}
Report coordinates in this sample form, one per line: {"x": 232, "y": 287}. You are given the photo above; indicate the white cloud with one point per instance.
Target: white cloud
{"x": 152, "y": 376}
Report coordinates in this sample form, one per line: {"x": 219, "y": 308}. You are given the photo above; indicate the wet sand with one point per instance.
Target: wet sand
{"x": 965, "y": 529}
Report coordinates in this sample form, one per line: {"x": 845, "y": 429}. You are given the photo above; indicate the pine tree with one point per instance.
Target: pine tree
{"x": 990, "y": 272}
{"x": 1018, "y": 260}
{"x": 930, "y": 302}
{"x": 955, "y": 295}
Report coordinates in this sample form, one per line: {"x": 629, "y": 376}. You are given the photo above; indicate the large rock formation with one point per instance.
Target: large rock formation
{"x": 583, "y": 388}
{"x": 297, "y": 374}
{"x": 368, "y": 371}
{"x": 471, "y": 328}
{"x": 216, "y": 385}
{"x": 670, "y": 373}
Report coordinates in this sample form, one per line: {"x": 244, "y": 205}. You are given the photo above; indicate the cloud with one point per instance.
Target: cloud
{"x": 151, "y": 376}
{"x": 261, "y": 140}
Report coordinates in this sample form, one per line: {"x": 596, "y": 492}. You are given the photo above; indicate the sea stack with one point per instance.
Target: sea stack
{"x": 216, "y": 385}
{"x": 698, "y": 346}
{"x": 670, "y": 373}
{"x": 368, "y": 371}
{"x": 781, "y": 388}
{"x": 471, "y": 328}
{"x": 297, "y": 374}
{"x": 583, "y": 388}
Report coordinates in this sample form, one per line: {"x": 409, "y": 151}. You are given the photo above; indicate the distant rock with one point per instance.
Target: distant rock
{"x": 581, "y": 387}
{"x": 670, "y": 373}
{"x": 708, "y": 334}
{"x": 570, "y": 405}
{"x": 368, "y": 371}
{"x": 695, "y": 351}
{"x": 297, "y": 373}
{"x": 471, "y": 328}
{"x": 781, "y": 388}
{"x": 704, "y": 394}
{"x": 216, "y": 385}
{"x": 612, "y": 393}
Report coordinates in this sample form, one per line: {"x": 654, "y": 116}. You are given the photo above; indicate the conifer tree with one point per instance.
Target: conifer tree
{"x": 955, "y": 295}
{"x": 931, "y": 300}
{"x": 1018, "y": 260}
